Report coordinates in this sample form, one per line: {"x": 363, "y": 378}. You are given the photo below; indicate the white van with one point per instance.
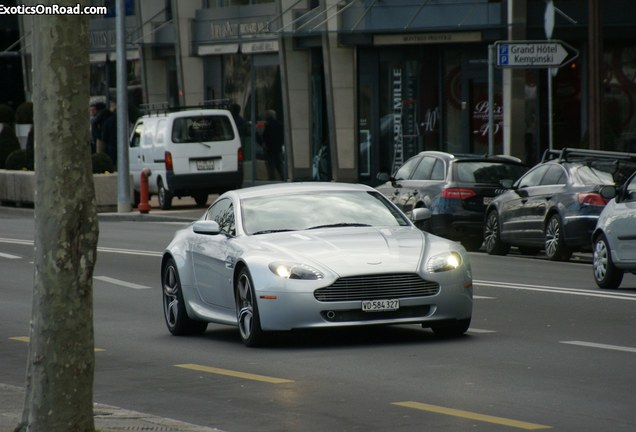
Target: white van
{"x": 190, "y": 153}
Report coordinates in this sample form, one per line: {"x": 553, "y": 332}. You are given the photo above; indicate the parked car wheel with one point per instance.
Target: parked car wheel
{"x": 555, "y": 248}
{"x": 177, "y": 319}
{"x": 606, "y": 274}
{"x": 492, "y": 241}
{"x": 165, "y": 197}
{"x": 247, "y": 316}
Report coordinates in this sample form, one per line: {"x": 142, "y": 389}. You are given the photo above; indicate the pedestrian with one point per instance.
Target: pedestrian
{"x": 273, "y": 139}
{"x": 241, "y": 124}
{"x": 109, "y": 133}
{"x": 97, "y": 124}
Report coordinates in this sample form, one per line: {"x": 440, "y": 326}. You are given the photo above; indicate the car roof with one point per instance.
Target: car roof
{"x": 469, "y": 156}
{"x": 187, "y": 113}
{"x": 296, "y": 187}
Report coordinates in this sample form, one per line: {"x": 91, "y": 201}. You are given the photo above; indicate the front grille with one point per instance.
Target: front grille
{"x": 375, "y": 287}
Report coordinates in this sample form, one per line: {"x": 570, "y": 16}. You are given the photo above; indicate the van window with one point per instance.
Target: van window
{"x": 202, "y": 128}
{"x": 160, "y": 131}
{"x": 147, "y": 136}
{"x": 136, "y": 136}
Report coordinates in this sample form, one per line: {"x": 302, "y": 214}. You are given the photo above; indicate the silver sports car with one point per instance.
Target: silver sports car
{"x": 309, "y": 255}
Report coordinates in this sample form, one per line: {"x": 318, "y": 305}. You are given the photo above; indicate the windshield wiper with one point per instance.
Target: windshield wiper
{"x": 271, "y": 231}
{"x": 341, "y": 224}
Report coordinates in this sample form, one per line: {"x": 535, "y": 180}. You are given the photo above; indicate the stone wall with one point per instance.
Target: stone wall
{"x": 18, "y": 188}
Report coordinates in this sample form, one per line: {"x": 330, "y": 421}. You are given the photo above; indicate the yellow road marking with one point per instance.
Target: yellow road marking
{"x": 27, "y": 339}
{"x": 472, "y": 415}
{"x": 234, "y": 374}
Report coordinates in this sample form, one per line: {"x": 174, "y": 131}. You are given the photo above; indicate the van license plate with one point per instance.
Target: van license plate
{"x": 380, "y": 305}
{"x": 205, "y": 165}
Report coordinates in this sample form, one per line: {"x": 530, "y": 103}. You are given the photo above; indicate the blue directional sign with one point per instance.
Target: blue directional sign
{"x": 534, "y": 54}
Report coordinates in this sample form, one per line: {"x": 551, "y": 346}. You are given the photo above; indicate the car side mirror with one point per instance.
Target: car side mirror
{"x": 207, "y": 227}
{"x": 420, "y": 214}
{"x": 523, "y": 193}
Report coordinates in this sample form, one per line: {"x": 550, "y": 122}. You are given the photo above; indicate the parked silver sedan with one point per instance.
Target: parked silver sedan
{"x": 310, "y": 255}
{"x": 614, "y": 238}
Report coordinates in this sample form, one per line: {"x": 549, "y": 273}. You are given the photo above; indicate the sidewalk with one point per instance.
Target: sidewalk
{"x": 107, "y": 418}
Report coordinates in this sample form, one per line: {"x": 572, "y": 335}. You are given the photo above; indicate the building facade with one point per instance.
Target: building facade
{"x": 362, "y": 85}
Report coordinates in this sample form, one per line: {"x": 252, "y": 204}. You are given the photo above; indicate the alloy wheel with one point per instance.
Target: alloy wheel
{"x": 245, "y": 307}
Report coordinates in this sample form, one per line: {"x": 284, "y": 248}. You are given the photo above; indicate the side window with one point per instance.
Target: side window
{"x": 159, "y": 136}
{"x": 438, "y": 170}
{"x": 424, "y": 169}
{"x": 148, "y": 136}
{"x": 555, "y": 175}
{"x": 404, "y": 173}
{"x": 135, "y": 139}
{"x": 630, "y": 190}
{"x": 223, "y": 213}
{"x": 533, "y": 177}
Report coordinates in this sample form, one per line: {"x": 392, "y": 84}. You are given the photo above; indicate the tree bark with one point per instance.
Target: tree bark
{"x": 60, "y": 365}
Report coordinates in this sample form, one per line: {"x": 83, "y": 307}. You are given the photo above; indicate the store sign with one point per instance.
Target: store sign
{"x": 107, "y": 39}
{"x": 230, "y": 30}
{"x": 398, "y": 138}
{"x": 259, "y": 47}
{"x": 426, "y": 38}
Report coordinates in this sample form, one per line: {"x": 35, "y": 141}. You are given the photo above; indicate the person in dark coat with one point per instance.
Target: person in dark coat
{"x": 109, "y": 134}
{"x": 273, "y": 139}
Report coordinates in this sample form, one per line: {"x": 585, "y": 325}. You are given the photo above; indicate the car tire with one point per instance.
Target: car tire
{"x": 136, "y": 199}
{"x": 555, "y": 248}
{"x": 247, "y": 315}
{"x": 492, "y": 239}
{"x": 451, "y": 329}
{"x": 606, "y": 274}
{"x": 165, "y": 197}
{"x": 201, "y": 199}
{"x": 174, "y": 311}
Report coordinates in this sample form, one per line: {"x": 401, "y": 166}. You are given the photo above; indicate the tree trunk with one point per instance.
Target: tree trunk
{"x": 60, "y": 366}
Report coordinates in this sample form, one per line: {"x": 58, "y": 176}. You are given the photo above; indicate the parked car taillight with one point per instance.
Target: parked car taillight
{"x": 168, "y": 159}
{"x": 591, "y": 199}
{"x": 458, "y": 193}
{"x": 240, "y": 154}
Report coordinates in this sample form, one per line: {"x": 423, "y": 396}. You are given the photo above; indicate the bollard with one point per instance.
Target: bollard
{"x": 144, "y": 207}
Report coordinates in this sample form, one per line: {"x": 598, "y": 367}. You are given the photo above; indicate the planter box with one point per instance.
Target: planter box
{"x": 18, "y": 188}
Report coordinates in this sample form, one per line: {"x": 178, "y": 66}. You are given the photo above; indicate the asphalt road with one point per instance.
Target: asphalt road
{"x": 546, "y": 350}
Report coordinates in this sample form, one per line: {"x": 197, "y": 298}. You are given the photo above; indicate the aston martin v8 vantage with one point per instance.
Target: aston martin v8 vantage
{"x": 310, "y": 255}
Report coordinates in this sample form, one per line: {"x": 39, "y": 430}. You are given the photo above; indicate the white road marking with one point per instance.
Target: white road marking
{"x": 601, "y": 346}
{"x": 9, "y": 256}
{"x": 121, "y": 282}
{"x": 99, "y": 249}
{"x": 558, "y": 290}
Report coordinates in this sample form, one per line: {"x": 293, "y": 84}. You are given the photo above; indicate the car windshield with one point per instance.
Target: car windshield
{"x": 275, "y": 213}
{"x": 488, "y": 172}
{"x": 202, "y": 129}
{"x": 608, "y": 173}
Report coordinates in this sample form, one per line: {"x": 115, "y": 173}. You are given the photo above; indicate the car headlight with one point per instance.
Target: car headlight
{"x": 444, "y": 262}
{"x": 295, "y": 271}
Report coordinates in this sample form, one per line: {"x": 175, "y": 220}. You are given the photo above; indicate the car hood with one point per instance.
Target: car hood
{"x": 353, "y": 250}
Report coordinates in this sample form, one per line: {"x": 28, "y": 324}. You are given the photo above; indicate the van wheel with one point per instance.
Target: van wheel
{"x": 136, "y": 199}
{"x": 165, "y": 197}
{"x": 201, "y": 199}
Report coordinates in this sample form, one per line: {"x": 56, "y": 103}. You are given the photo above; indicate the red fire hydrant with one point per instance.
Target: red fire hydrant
{"x": 144, "y": 206}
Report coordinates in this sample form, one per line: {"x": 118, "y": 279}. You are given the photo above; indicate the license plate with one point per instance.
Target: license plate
{"x": 205, "y": 165}
{"x": 380, "y": 305}
{"x": 487, "y": 200}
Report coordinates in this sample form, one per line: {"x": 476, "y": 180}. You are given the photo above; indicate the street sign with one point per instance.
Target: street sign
{"x": 534, "y": 54}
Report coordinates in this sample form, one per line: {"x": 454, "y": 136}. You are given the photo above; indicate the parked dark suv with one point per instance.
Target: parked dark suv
{"x": 456, "y": 188}
{"x": 555, "y": 206}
